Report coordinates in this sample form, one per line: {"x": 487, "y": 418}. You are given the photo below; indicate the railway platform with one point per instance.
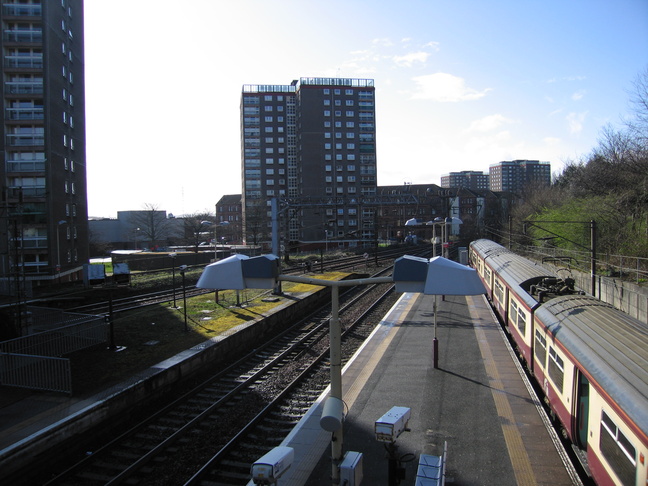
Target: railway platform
{"x": 476, "y": 403}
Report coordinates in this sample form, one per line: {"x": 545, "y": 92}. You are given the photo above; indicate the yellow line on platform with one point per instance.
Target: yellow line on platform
{"x": 517, "y": 452}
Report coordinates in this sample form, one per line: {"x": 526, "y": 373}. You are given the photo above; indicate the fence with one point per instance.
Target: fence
{"x": 35, "y": 361}
{"x": 36, "y": 372}
{"x": 622, "y": 293}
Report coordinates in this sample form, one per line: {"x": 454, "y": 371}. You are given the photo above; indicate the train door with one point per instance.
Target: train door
{"x": 581, "y": 415}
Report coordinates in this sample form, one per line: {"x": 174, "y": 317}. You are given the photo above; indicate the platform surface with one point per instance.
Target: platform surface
{"x": 476, "y": 402}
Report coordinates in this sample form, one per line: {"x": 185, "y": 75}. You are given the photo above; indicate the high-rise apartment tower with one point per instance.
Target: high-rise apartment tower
{"x": 469, "y": 179}
{"x": 515, "y": 175}
{"x": 43, "y": 211}
{"x": 311, "y": 143}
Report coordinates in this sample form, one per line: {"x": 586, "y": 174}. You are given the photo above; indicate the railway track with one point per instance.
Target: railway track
{"x": 138, "y": 301}
{"x": 214, "y": 432}
{"x": 384, "y": 258}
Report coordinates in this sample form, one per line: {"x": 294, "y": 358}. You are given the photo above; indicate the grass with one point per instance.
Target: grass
{"x": 153, "y": 334}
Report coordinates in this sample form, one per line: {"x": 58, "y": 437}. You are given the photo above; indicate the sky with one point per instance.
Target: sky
{"x": 460, "y": 85}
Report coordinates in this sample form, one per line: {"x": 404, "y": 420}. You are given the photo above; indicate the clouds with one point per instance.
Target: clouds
{"x": 408, "y": 60}
{"x": 489, "y": 123}
{"x": 445, "y": 88}
{"x": 575, "y": 121}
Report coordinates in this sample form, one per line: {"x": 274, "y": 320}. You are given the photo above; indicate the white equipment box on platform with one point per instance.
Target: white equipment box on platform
{"x": 392, "y": 424}
{"x": 351, "y": 469}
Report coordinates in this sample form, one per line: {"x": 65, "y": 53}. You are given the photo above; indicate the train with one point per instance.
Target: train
{"x": 589, "y": 359}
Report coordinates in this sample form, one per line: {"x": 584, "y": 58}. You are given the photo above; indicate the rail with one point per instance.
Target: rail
{"x": 35, "y": 361}
{"x": 36, "y": 372}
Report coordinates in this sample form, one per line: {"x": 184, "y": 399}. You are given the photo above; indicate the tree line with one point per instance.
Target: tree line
{"x": 609, "y": 186}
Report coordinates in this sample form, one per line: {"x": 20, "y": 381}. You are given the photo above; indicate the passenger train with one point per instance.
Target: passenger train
{"x": 590, "y": 360}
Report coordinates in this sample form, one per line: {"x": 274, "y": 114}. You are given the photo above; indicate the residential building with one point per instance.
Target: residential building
{"x": 229, "y": 219}
{"x": 311, "y": 144}
{"x": 406, "y": 209}
{"x": 43, "y": 211}
{"x": 513, "y": 176}
{"x": 470, "y": 179}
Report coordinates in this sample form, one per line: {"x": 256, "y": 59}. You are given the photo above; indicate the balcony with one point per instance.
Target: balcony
{"x": 25, "y": 114}
{"x": 24, "y": 62}
{"x": 26, "y": 166}
{"x": 24, "y": 36}
{"x": 20, "y": 10}
{"x": 18, "y": 88}
{"x": 15, "y": 140}
{"x": 32, "y": 243}
{"x": 33, "y": 191}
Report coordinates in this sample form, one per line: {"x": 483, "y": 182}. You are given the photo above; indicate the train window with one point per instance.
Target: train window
{"x": 499, "y": 291}
{"x": 488, "y": 274}
{"x": 516, "y": 314}
{"x": 541, "y": 348}
{"x": 556, "y": 369}
{"x": 618, "y": 450}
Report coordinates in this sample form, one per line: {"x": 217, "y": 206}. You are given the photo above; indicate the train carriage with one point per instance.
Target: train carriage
{"x": 590, "y": 359}
{"x": 509, "y": 278}
{"x": 596, "y": 379}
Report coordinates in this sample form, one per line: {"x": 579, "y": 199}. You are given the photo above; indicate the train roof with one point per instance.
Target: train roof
{"x": 518, "y": 272}
{"x": 610, "y": 345}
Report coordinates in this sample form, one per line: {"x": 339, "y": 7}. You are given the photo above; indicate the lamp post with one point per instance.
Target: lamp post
{"x": 183, "y": 268}
{"x": 333, "y": 423}
{"x": 173, "y": 257}
{"x": 58, "y": 248}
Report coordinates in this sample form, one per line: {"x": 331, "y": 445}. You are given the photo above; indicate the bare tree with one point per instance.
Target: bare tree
{"x": 198, "y": 227}
{"x": 256, "y": 219}
{"x": 151, "y": 223}
{"x": 638, "y": 124}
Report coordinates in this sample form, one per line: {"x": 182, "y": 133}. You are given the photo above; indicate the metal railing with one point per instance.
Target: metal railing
{"x": 36, "y": 372}
{"x": 61, "y": 340}
{"x": 35, "y": 361}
